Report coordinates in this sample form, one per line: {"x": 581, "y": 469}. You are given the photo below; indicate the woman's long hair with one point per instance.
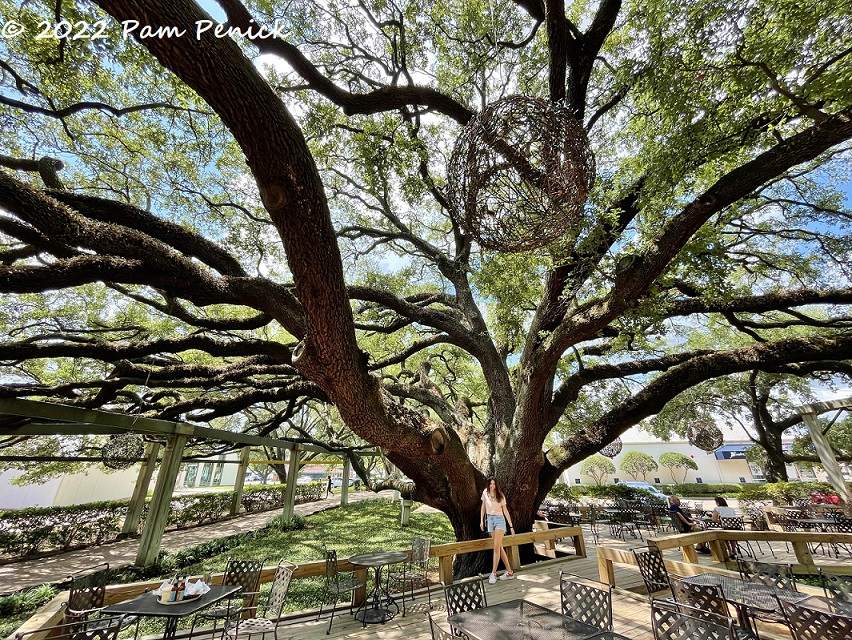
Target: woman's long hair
{"x": 721, "y": 502}
{"x": 497, "y": 491}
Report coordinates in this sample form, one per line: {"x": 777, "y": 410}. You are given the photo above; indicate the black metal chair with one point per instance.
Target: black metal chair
{"x": 238, "y": 573}
{"x": 86, "y": 593}
{"x": 95, "y": 629}
{"x": 437, "y": 632}
{"x": 836, "y": 587}
{"x": 815, "y": 624}
{"x": 674, "y": 621}
{"x": 336, "y": 585}
{"x": 653, "y": 570}
{"x": 86, "y": 597}
{"x": 707, "y": 598}
{"x": 774, "y": 575}
{"x": 737, "y": 524}
{"x": 586, "y": 600}
{"x": 266, "y": 623}
{"x": 465, "y": 595}
{"x": 415, "y": 572}
{"x": 779, "y": 576}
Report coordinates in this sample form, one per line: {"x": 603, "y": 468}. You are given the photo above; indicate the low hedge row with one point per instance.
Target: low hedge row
{"x": 778, "y": 492}
{"x": 27, "y": 532}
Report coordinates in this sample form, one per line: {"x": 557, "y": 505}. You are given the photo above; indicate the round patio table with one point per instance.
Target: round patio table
{"x": 377, "y": 606}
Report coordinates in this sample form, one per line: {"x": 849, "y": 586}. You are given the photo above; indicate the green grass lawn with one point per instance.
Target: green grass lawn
{"x": 369, "y": 525}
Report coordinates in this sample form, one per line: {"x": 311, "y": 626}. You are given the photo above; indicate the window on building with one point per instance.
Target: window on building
{"x": 576, "y": 480}
{"x": 191, "y": 475}
{"x": 756, "y": 471}
{"x": 806, "y": 473}
{"x": 206, "y": 474}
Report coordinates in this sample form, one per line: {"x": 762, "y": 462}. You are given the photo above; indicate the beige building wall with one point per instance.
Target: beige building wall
{"x": 710, "y": 469}
{"x": 95, "y": 485}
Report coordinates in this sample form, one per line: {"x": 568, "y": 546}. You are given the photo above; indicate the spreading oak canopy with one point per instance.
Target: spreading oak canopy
{"x": 219, "y": 229}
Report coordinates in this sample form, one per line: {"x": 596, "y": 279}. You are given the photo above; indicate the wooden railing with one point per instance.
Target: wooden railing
{"x": 716, "y": 538}
{"x": 53, "y": 612}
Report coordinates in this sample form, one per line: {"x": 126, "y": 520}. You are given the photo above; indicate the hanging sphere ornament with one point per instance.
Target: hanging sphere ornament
{"x": 519, "y": 174}
{"x": 705, "y": 435}
{"x": 612, "y": 449}
{"x": 122, "y": 450}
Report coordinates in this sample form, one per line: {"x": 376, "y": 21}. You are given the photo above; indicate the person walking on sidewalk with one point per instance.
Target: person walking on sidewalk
{"x": 328, "y": 489}
{"x": 494, "y": 515}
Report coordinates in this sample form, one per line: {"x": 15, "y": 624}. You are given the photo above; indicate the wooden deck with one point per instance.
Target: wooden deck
{"x": 539, "y": 584}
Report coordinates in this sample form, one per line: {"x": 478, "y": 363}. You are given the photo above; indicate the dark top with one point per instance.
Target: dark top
{"x": 147, "y": 604}
{"x": 748, "y": 594}
{"x": 378, "y": 558}
{"x": 519, "y": 620}
{"x": 682, "y": 526}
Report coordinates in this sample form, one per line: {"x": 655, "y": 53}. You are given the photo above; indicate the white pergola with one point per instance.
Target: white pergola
{"x": 809, "y": 413}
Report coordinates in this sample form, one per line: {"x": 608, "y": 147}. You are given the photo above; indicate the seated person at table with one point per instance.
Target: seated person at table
{"x": 685, "y": 524}
{"x": 722, "y": 510}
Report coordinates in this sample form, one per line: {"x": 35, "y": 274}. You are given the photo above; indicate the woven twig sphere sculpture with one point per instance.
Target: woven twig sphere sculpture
{"x": 520, "y": 174}
{"x": 122, "y": 450}
{"x": 705, "y": 435}
{"x": 612, "y": 449}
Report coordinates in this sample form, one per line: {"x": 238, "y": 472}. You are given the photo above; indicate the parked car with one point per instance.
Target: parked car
{"x": 336, "y": 483}
{"x": 647, "y": 487}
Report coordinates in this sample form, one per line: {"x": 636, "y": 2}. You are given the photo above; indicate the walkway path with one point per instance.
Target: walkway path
{"x": 31, "y": 573}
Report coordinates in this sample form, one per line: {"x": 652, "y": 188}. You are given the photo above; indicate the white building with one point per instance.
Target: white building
{"x": 726, "y": 464}
{"x": 92, "y": 485}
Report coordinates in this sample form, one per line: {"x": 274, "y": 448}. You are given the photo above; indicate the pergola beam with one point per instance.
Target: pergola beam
{"x": 78, "y": 421}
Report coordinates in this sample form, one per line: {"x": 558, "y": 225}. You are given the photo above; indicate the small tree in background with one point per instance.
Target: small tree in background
{"x": 676, "y": 462}
{"x": 636, "y": 463}
{"x": 597, "y": 468}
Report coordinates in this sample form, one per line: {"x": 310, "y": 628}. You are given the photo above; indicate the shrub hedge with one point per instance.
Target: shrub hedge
{"x": 690, "y": 489}
{"x": 27, "y": 532}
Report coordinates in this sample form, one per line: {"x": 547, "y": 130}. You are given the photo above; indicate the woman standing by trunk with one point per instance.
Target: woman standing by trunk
{"x": 494, "y": 515}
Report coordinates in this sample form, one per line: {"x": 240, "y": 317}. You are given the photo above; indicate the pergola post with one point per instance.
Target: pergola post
{"x": 290, "y": 487}
{"x": 240, "y": 480}
{"x": 155, "y": 524}
{"x": 140, "y": 490}
{"x": 344, "y": 486}
{"x": 827, "y": 457}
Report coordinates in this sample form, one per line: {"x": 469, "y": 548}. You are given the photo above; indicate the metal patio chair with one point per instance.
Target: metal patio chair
{"x": 462, "y": 596}
{"x": 238, "y": 573}
{"x": 586, "y": 600}
{"x": 336, "y": 585}
{"x": 815, "y": 624}
{"x": 95, "y": 629}
{"x": 267, "y": 622}
{"x": 674, "y": 621}
{"x": 707, "y": 598}
{"x": 437, "y": 632}
{"x": 415, "y": 571}
{"x": 653, "y": 570}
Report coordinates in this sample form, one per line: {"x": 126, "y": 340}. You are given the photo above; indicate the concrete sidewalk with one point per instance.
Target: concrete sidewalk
{"x": 31, "y": 573}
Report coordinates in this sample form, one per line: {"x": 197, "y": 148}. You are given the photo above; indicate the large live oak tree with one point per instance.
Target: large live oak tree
{"x": 718, "y": 133}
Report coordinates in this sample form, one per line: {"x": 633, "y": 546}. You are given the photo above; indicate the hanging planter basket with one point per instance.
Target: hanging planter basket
{"x": 705, "y": 435}
{"x": 122, "y": 451}
{"x": 612, "y": 449}
{"x": 519, "y": 174}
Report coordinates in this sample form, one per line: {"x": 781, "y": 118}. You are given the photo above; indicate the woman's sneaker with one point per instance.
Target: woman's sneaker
{"x": 492, "y": 579}
{"x": 507, "y": 575}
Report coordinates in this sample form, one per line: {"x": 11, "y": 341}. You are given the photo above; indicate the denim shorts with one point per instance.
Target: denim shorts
{"x": 495, "y": 522}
